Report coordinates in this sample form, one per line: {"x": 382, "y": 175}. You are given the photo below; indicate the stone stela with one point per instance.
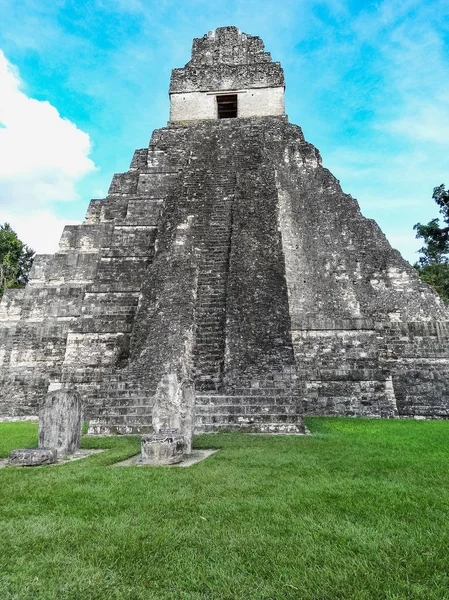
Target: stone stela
{"x": 60, "y": 426}
{"x": 226, "y": 281}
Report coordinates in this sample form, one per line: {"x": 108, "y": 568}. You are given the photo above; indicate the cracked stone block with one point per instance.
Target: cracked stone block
{"x": 32, "y": 457}
{"x": 163, "y": 448}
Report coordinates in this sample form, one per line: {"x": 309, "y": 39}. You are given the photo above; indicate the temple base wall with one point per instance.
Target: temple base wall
{"x": 256, "y": 102}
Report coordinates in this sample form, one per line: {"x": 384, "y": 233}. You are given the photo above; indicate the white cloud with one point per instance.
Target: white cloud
{"x": 40, "y": 230}
{"x": 425, "y": 121}
{"x": 42, "y": 157}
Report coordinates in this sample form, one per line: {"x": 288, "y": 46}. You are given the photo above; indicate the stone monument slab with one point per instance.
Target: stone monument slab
{"x": 61, "y": 421}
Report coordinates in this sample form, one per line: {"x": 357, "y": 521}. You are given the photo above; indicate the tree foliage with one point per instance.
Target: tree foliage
{"x": 433, "y": 264}
{"x": 16, "y": 260}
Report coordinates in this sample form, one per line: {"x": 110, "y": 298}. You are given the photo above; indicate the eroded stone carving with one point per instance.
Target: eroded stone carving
{"x": 164, "y": 448}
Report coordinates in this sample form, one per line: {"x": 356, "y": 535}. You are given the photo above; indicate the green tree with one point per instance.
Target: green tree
{"x": 433, "y": 264}
{"x": 16, "y": 259}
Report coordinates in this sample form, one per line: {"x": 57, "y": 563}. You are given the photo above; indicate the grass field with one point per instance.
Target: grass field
{"x": 358, "y": 510}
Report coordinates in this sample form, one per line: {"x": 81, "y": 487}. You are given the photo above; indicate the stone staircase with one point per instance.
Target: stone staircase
{"x": 214, "y": 236}
{"x": 272, "y": 407}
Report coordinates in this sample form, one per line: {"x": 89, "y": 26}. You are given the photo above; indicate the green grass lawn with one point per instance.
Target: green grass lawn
{"x": 360, "y": 509}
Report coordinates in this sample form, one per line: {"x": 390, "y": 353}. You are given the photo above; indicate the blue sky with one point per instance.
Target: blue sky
{"x": 82, "y": 84}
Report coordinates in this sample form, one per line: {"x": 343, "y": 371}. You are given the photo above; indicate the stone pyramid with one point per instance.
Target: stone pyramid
{"x": 229, "y": 261}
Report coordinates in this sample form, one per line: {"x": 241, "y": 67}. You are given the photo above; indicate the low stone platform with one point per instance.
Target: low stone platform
{"x": 30, "y": 418}
{"x": 79, "y": 455}
{"x": 195, "y": 457}
{"x": 32, "y": 457}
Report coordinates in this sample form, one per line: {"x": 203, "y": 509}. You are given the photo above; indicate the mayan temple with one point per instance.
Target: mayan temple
{"x": 229, "y": 263}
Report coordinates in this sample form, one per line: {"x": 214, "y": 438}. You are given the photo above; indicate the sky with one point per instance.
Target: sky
{"x": 83, "y": 84}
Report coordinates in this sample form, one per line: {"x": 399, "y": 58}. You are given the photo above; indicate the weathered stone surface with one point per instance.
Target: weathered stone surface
{"x": 32, "y": 457}
{"x": 223, "y": 61}
{"x": 173, "y": 420}
{"x": 61, "y": 421}
{"x": 173, "y": 408}
{"x": 227, "y": 264}
{"x": 227, "y": 59}
{"x": 167, "y": 448}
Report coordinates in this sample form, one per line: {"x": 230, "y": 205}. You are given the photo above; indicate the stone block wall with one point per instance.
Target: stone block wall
{"x": 216, "y": 208}
{"x": 254, "y": 102}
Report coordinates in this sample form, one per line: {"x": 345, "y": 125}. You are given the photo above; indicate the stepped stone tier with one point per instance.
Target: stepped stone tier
{"x": 226, "y": 263}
